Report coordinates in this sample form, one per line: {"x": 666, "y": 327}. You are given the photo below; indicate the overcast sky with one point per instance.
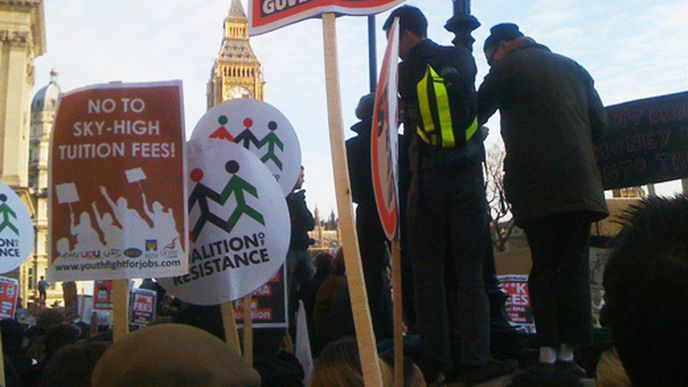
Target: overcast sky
{"x": 632, "y": 48}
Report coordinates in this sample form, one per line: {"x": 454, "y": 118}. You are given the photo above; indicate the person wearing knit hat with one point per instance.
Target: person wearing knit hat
{"x": 551, "y": 115}
{"x": 172, "y": 355}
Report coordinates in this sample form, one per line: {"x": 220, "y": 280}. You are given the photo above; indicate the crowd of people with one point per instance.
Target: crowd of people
{"x": 551, "y": 116}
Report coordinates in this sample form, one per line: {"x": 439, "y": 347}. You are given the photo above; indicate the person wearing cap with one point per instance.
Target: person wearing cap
{"x": 550, "y": 118}
{"x": 447, "y": 208}
{"x": 372, "y": 241}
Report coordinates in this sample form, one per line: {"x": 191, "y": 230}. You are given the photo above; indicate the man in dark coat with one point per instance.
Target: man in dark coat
{"x": 299, "y": 262}
{"x": 446, "y": 204}
{"x": 550, "y": 116}
{"x": 372, "y": 241}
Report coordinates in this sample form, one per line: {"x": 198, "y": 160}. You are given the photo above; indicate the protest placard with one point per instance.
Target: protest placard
{"x": 9, "y": 291}
{"x": 71, "y": 299}
{"x": 267, "y": 15}
{"x": 16, "y": 230}
{"x": 102, "y": 295}
{"x": 518, "y": 303}
{"x": 268, "y": 304}
{"x": 239, "y": 225}
{"x": 142, "y": 304}
{"x": 118, "y": 196}
{"x": 259, "y": 128}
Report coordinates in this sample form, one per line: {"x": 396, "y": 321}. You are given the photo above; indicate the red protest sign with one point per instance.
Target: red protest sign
{"x": 102, "y": 295}
{"x": 267, "y": 15}
{"x": 9, "y": 290}
{"x": 118, "y": 194}
{"x": 518, "y": 303}
{"x": 383, "y": 139}
{"x": 268, "y": 304}
{"x": 142, "y": 306}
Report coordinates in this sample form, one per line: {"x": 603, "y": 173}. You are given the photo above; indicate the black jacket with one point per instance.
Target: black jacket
{"x": 301, "y": 220}
{"x": 550, "y": 116}
{"x": 423, "y": 156}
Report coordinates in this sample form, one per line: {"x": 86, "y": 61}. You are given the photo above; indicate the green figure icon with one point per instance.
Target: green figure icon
{"x": 237, "y": 186}
{"x": 271, "y": 140}
{"x": 6, "y": 212}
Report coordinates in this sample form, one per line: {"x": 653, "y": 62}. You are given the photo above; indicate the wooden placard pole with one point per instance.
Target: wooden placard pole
{"x": 397, "y": 311}
{"x": 352, "y": 257}
{"x": 2, "y": 365}
{"x": 229, "y": 323}
{"x": 120, "y": 308}
{"x": 248, "y": 330}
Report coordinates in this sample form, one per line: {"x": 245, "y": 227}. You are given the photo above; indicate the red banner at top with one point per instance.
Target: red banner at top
{"x": 267, "y": 15}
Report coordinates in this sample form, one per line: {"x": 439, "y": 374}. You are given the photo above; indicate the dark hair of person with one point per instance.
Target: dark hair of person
{"x": 646, "y": 288}
{"x": 323, "y": 263}
{"x": 338, "y": 266}
{"x": 410, "y": 19}
{"x": 73, "y": 365}
{"x": 338, "y": 365}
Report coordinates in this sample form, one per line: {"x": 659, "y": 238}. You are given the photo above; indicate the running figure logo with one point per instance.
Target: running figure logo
{"x": 235, "y": 186}
{"x": 7, "y": 212}
{"x": 246, "y": 138}
{"x": 271, "y": 140}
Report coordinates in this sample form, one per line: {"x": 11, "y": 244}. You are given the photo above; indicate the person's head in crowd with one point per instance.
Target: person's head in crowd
{"x": 646, "y": 288}
{"x": 501, "y": 41}
{"x": 323, "y": 264}
{"x": 413, "y": 28}
{"x": 172, "y": 355}
{"x": 338, "y": 365}
{"x": 365, "y": 107}
{"x": 300, "y": 180}
{"x": 85, "y": 330}
{"x": 48, "y": 319}
{"x": 541, "y": 377}
{"x": 13, "y": 337}
{"x": 60, "y": 336}
{"x": 338, "y": 265}
{"x": 73, "y": 365}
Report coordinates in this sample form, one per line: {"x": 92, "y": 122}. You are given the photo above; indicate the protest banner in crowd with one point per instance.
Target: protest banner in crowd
{"x": 117, "y": 192}
{"x": 268, "y": 304}
{"x": 71, "y": 299}
{"x": 267, "y": 15}
{"x": 9, "y": 291}
{"x": 102, "y": 295}
{"x": 518, "y": 302}
{"x": 142, "y": 304}
{"x": 259, "y": 128}
{"x": 16, "y": 230}
{"x": 239, "y": 225}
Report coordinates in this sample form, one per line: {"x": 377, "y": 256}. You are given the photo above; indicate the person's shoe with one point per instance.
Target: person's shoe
{"x": 572, "y": 367}
{"x": 492, "y": 370}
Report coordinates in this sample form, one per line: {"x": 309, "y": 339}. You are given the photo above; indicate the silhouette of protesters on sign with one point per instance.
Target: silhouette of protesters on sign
{"x": 7, "y": 212}
{"x": 112, "y": 233}
{"x": 271, "y": 140}
{"x": 246, "y": 138}
{"x": 164, "y": 224}
{"x": 87, "y": 238}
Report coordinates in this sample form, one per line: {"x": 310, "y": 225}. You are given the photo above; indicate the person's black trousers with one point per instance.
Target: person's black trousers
{"x": 449, "y": 208}
{"x": 559, "y": 282}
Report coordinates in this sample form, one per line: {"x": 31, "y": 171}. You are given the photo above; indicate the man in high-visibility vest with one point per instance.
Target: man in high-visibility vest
{"x": 446, "y": 201}
{"x": 550, "y": 117}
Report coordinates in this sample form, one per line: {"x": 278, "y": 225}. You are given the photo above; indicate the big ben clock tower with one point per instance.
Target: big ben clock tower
{"x": 236, "y": 72}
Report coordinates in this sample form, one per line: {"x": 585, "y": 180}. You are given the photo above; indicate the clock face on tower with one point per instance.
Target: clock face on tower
{"x": 238, "y": 92}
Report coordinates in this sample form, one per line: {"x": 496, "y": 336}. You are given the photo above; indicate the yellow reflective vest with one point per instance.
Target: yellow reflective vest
{"x": 437, "y": 125}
